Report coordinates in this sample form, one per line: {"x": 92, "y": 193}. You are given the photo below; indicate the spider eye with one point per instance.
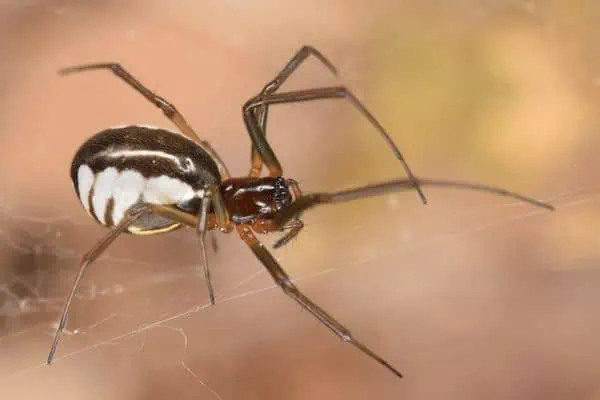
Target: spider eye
{"x": 282, "y": 194}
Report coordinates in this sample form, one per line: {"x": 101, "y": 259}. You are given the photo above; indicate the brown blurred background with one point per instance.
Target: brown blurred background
{"x": 472, "y": 296}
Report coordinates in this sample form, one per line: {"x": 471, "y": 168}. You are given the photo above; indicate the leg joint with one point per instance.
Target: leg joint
{"x": 251, "y": 104}
{"x": 286, "y": 284}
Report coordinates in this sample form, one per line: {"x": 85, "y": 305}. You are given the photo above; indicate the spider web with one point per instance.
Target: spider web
{"x": 156, "y": 314}
{"x": 471, "y": 296}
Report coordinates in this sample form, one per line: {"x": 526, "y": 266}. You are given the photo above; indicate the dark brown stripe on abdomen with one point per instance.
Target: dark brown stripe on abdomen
{"x": 108, "y": 214}
{"x": 92, "y": 211}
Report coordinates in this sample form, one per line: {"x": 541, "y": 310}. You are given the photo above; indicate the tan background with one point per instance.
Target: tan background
{"x": 472, "y": 297}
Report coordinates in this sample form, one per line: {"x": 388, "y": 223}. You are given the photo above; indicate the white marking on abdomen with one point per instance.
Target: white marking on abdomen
{"x": 126, "y": 188}
{"x": 185, "y": 165}
{"x": 126, "y": 192}
{"x": 103, "y": 191}
{"x": 85, "y": 180}
{"x": 166, "y": 190}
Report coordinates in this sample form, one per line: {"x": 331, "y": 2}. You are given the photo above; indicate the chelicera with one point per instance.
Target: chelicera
{"x": 144, "y": 180}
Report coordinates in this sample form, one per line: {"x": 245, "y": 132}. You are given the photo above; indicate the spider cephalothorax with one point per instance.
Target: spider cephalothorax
{"x": 248, "y": 199}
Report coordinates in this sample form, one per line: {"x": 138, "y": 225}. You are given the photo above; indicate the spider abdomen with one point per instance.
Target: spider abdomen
{"x": 129, "y": 166}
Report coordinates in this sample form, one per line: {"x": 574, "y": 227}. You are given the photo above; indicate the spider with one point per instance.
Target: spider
{"x": 144, "y": 180}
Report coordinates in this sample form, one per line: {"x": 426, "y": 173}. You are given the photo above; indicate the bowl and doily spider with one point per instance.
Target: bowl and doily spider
{"x": 144, "y": 180}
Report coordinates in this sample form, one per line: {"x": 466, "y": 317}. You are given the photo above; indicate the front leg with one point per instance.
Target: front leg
{"x": 263, "y": 147}
{"x": 273, "y": 85}
{"x": 282, "y": 280}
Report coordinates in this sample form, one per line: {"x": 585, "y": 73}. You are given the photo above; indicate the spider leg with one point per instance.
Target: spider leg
{"x": 211, "y": 196}
{"x": 201, "y": 229}
{"x": 336, "y": 92}
{"x": 167, "y": 108}
{"x": 306, "y": 201}
{"x": 283, "y": 280}
{"x": 273, "y": 85}
{"x": 293, "y": 227}
{"x": 214, "y": 243}
{"x": 210, "y": 222}
{"x": 130, "y": 217}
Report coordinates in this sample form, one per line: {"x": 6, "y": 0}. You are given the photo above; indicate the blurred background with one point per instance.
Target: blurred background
{"x": 471, "y": 296}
